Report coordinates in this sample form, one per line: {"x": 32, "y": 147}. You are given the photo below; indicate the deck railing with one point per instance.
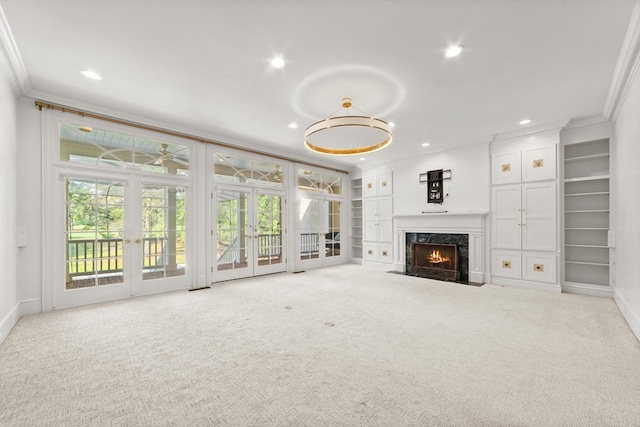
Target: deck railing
{"x": 106, "y": 255}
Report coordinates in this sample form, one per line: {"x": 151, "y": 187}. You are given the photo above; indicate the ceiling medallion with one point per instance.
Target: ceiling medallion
{"x": 360, "y": 134}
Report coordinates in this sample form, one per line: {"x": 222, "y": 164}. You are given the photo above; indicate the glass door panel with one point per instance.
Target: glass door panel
{"x": 163, "y": 231}
{"x": 332, "y": 237}
{"x": 94, "y": 233}
{"x": 309, "y": 223}
{"x": 232, "y": 226}
{"x": 268, "y": 237}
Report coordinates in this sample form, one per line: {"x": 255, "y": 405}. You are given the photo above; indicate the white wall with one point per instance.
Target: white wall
{"x": 9, "y": 306}
{"x": 627, "y": 171}
{"x": 29, "y": 207}
{"x": 468, "y": 188}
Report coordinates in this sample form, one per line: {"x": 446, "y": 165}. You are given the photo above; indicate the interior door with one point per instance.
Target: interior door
{"x": 121, "y": 238}
{"x": 249, "y": 233}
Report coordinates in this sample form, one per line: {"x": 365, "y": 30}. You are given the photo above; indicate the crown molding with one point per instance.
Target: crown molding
{"x": 626, "y": 67}
{"x": 559, "y": 125}
{"x": 11, "y": 59}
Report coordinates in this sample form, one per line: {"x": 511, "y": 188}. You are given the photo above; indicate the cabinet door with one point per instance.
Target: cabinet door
{"x": 370, "y": 219}
{"x": 385, "y": 254}
{"x": 539, "y": 267}
{"x": 505, "y": 168}
{"x": 539, "y": 216}
{"x": 371, "y": 252}
{"x": 385, "y": 219}
{"x": 369, "y": 186}
{"x": 506, "y": 264}
{"x": 385, "y": 187}
{"x": 507, "y": 217}
{"x": 539, "y": 164}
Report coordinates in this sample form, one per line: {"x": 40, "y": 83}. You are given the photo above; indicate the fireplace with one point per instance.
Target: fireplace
{"x": 465, "y": 230}
{"x": 439, "y": 256}
{"x": 435, "y": 261}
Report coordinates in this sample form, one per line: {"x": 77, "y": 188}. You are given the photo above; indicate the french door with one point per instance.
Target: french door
{"x": 248, "y": 232}
{"x": 120, "y": 236}
{"x": 319, "y": 232}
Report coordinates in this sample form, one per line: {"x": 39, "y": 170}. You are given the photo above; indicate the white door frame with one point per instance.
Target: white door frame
{"x": 322, "y": 259}
{"x": 252, "y": 267}
{"x": 133, "y": 283}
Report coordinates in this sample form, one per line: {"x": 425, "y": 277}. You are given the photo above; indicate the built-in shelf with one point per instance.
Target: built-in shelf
{"x": 588, "y": 157}
{"x": 356, "y": 218}
{"x": 586, "y": 229}
{"x": 587, "y": 178}
{"x": 597, "y": 264}
{"x": 586, "y": 208}
{"x": 595, "y": 193}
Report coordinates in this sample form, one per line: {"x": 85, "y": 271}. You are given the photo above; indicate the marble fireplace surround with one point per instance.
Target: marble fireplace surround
{"x": 469, "y": 223}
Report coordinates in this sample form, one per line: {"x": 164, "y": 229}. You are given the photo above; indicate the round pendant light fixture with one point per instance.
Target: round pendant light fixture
{"x": 347, "y": 135}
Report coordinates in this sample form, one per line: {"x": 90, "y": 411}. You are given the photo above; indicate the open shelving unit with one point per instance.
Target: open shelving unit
{"x": 356, "y": 218}
{"x": 586, "y": 214}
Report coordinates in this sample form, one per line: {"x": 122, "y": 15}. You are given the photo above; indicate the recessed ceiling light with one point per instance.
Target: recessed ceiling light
{"x": 392, "y": 124}
{"x": 525, "y": 121}
{"x": 277, "y": 62}
{"x": 425, "y": 144}
{"x": 362, "y": 158}
{"x": 293, "y": 125}
{"x": 90, "y": 74}
{"x": 453, "y": 51}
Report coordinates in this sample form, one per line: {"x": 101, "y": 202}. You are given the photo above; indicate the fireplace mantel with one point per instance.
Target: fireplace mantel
{"x": 471, "y": 223}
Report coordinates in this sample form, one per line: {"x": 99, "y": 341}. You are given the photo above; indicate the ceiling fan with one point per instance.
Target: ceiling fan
{"x": 164, "y": 154}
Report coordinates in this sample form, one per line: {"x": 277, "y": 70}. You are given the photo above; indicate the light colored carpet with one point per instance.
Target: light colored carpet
{"x": 339, "y": 346}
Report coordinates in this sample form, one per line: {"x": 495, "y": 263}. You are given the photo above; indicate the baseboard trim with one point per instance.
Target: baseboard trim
{"x": 30, "y": 306}
{"x": 633, "y": 319}
{"x": 604, "y": 292}
{"x": 9, "y": 321}
{"x": 525, "y": 284}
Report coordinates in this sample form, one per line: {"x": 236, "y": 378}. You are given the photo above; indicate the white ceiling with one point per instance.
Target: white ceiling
{"x": 203, "y": 66}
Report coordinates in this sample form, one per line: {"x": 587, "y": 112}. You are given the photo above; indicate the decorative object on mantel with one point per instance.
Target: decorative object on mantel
{"x": 435, "y": 184}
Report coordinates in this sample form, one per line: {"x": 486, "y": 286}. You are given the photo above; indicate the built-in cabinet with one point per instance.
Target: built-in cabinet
{"x": 586, "y": 214}
{"x": 524, "y": 210}
{"x": 377, "y": 219}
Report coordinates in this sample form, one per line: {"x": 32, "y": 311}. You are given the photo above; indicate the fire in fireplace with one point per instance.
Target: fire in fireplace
{"x": 435, "y": 261}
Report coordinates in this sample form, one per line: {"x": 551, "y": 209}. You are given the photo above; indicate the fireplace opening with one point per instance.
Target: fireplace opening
{"x": 435, "y": 261}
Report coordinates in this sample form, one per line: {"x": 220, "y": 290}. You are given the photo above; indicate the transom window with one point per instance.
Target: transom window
{"x": 319, "y": 182}
{"x": 235, "y": 169}
{"x": 87, "y": 145}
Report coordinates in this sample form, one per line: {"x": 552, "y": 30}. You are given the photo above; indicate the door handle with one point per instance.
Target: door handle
{"x": 138, "y": 240}
{"x": 127, "y": 241}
